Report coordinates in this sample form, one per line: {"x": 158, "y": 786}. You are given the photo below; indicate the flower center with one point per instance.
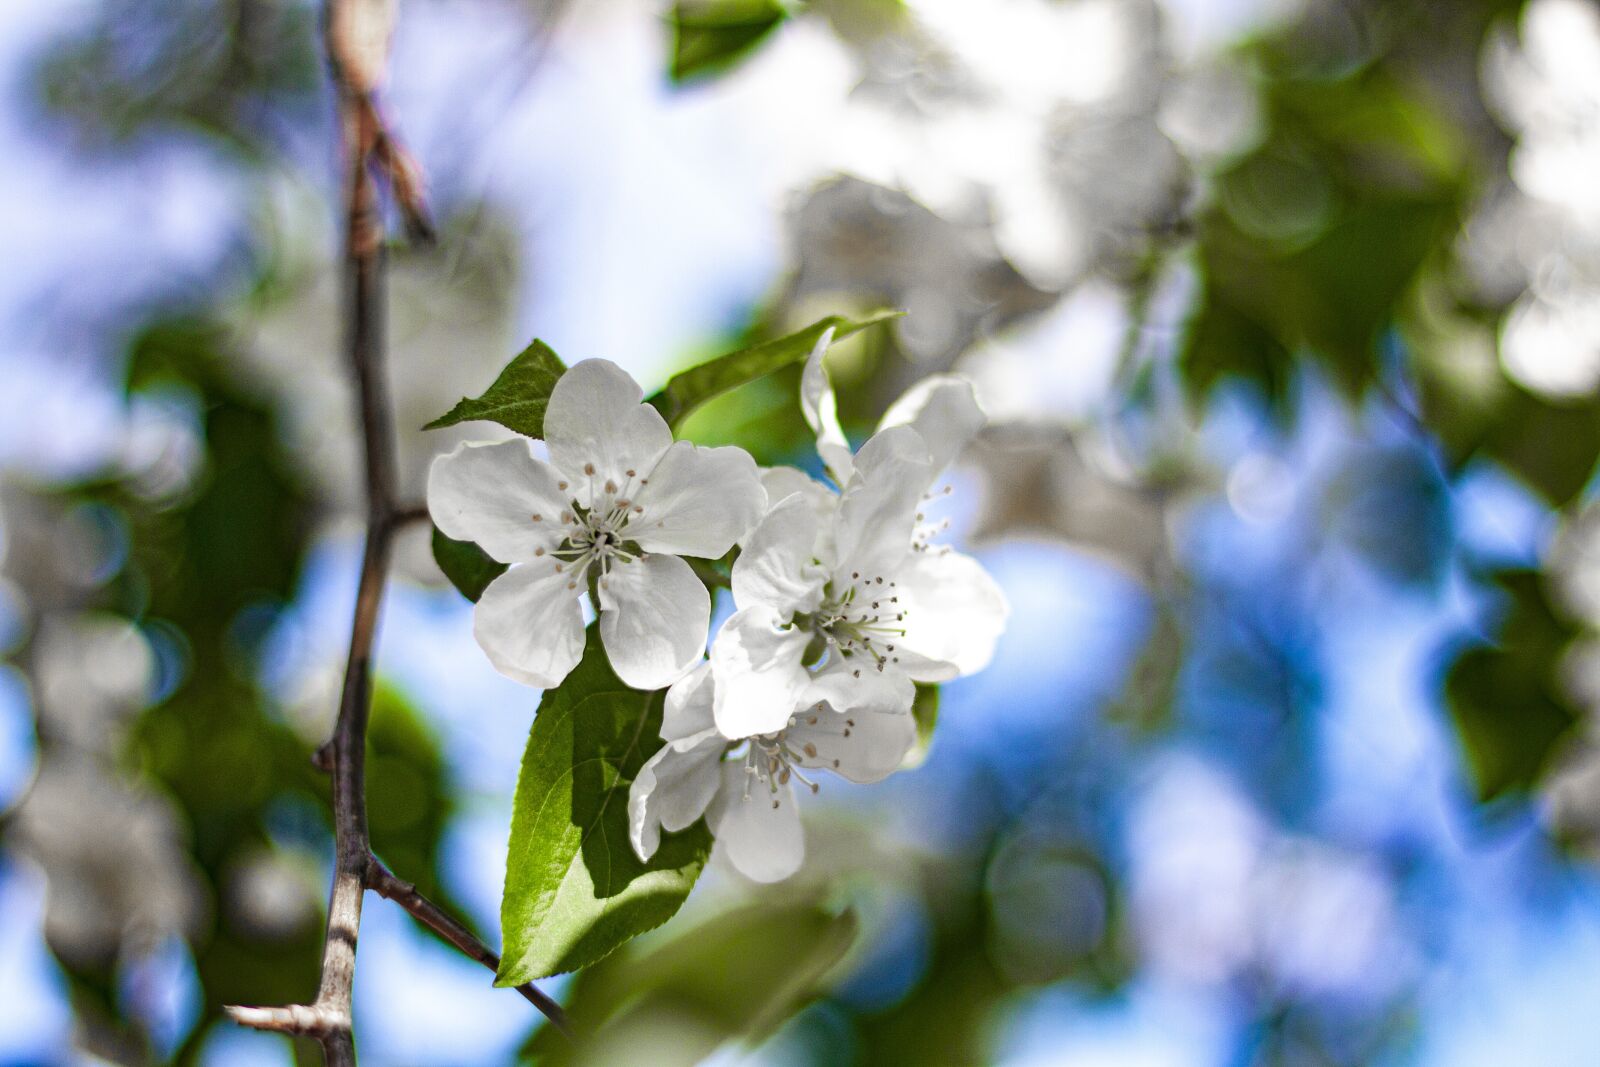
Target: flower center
{"x": 773, "y": 759}
{"x": 864, "y": 620}
{"x": 597, "y": 535}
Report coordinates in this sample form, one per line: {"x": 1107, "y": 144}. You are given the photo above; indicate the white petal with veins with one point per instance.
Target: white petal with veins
{"x": 654, "y": 614}
{"x": 498, "y": 495}
{"x": 758, "y": 828}
{"x": 597, "y": 429}
{"x": 760, "y": 679}
{"x": 775, "y": 568}
{"x": 698, "y": 501}
{"x": 530, "y": 624}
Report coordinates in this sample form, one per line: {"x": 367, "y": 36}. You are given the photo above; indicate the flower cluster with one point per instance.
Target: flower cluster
{"x": 843, "y": 600}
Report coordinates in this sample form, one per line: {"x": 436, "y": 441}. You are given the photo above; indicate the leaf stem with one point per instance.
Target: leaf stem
{"x": 383, "y": 881}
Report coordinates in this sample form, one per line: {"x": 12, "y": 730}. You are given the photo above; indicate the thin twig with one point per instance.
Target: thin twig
{"x": 357, "y": 36}
{"x": 383, "y": 881}
{"x": 328, "y": 1018}
{"x": 408, "y": 514}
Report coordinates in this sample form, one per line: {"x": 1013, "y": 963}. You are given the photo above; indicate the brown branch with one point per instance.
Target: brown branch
{"x": 357, "y": 33}
{"x": 408, "y": 514}
{"x": 384, "y": 882}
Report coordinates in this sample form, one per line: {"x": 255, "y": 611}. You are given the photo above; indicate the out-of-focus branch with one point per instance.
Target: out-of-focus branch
{"x": 357, "y": 35}
{"x": 407, "y": 514}
{"x": 384, "y": 882}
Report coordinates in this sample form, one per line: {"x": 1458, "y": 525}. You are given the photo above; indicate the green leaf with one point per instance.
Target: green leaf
{"x": 925, "y": 710}
{"x": 1550, "y": 445}
{"x": 735, "y": 976}
{"x": 711, "y": 36}
{"x": 1507, "y": 699}
{"x": 469, "y": 568}
{"x": 1475, "y": 410}
{"x": 517, "y": 398}
{"x": 688, "y": 390}
{"x": 1223, "y": 342}
{"x": 575, "y": 890}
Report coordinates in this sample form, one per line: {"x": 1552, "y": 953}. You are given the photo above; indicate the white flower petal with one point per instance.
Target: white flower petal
{"x": 595, "y": 419}
{"x": 780, "y": 482}
{"x": 699, "y": 501}
{"x": 761, "y": 831}
{"x": 687, "y": 710}
{"x": 654, "y": 614}
{"x": 944, "y": 410}
{"x": 856, "y": 685}
{"x": 498, "y": 495}
{"x": 673, "y": 789}
{"x": 530, "y": 624}
{"x": 821, "y": 409}
{"x": 775, "y": 567}
{"x": 759, "y": 676}
{"x": 863, "y": 746}
{"x": 878, "y": 510}
{"x": 954, "y": 614}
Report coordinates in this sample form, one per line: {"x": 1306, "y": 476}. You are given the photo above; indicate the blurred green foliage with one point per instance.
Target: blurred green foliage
{"x": 230, "y": 69}
{"x": 738, "y": 976}
{"x": 206, "y": 574}
{"x": 1507, "y": 698}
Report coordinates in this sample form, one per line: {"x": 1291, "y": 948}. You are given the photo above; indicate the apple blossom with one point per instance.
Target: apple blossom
{"x": 618, "y": 501}
{"x": 851, "y": 578}
{"x": 746, "y": 788}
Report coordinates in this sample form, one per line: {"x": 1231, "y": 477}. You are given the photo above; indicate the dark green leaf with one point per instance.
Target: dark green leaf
{"x": 517, "y": 398}
{"x": 469, "y": 568}
{"x": 575, "y": 890}
{"x": 711, "y": 36}
{"x": 1507, "y": 699}
{"x": 1223, "y": 342}
{"x": 1551, "y": 446}
{"x": 736, "y": 976}
{"x": 1475, "y": 410}
{"x": 688, "y": 390}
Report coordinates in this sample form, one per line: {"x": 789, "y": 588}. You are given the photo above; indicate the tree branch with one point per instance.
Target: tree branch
{"x": 357, "y": 34}
{"x": 383, "y": 881}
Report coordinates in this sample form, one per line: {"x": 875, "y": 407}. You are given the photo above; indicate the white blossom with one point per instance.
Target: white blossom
{"x": 618, "y": 500}
{"x": 746, "y": 788}
{"x": 851, "y": 579}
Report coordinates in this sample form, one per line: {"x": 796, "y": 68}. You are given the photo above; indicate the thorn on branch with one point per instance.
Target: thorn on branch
{"x": 322, "y": 758}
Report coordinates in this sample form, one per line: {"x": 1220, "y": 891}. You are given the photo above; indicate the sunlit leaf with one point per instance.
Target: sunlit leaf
{"x": 688, "y": 390}
{"x": 469, "y": 568}
{"x": 575, "y": 890}
{"x": 517, "y": 398}
{"x": 711, "y": 36}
